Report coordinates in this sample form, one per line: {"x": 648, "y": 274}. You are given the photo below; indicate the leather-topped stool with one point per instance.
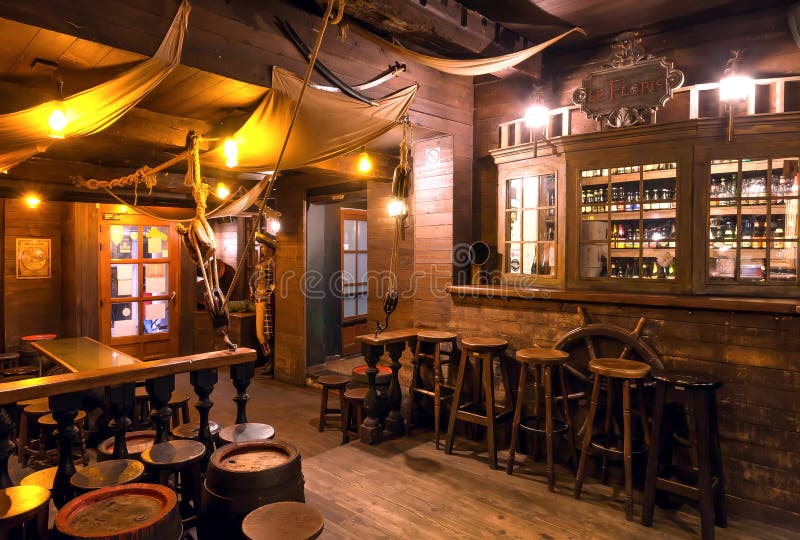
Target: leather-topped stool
{"x": 697, "y": 391}
{"x": 251, "y": 431}
{"x": 485, "y": 351}
{"x": 353, "y": 412}
{"x": 606, "y": 443}
{"x": 287, "y": 520}
{"x": 113, "y": 472}
{"x": 429, "y": 350}
{"x": 180, "y": 461}
{"x": 543, "y": 361}
{"x": 328, "y": 383}
{"x": 28, "y": 355}
{"x": 22, "y": 504}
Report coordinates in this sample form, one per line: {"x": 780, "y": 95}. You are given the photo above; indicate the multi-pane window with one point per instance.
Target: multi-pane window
{"x": 354, "y": 263}
{"x": 628, "y": 222}
{"x": 753, "y": 221}
{"x": 531, "y": 225}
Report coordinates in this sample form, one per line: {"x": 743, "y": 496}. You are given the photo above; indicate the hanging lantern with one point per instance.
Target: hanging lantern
{"x": 231, "y": 151}
{"x": 57, "y": 122}
{"x": 364, "y": 162}
{"x": 222, "y": 191}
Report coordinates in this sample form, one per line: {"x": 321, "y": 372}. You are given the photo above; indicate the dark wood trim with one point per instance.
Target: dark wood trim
{"x": 718, "y": 303}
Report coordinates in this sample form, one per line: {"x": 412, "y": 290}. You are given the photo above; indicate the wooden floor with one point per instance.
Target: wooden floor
{"x": 405, "y": 488}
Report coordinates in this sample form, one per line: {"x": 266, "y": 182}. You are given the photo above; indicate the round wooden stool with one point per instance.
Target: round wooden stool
{"x": 251, "y": 431}
{"x": 382, "y": 379}
{"x": 181, "y": 460}
{"x": 429, "y": 350}
{"x": 697, "y": 393}
{"x": 113, "y": 472}
{"x": 192, "y": 430}
{"x": 287, "y": 520}
{"x": 607, "y": 443}
{"x": 9, "y": 360}
{"x": 141, "y": 409}
{"x": 21, "y": 504}
{"x": 47, "y": 453}
{"x": 135, "y": 441}
{"x": 21, "y": 371}
{"x": 484, "y": 350}
{"x": 331, "y": 382}
{"x": 29, "y": 440}
{"x": 179, "y": 403}
{"x": 543, "y": 362}
{"x": 353, "y": 410}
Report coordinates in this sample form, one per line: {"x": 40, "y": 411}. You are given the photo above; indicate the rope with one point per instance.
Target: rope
{"x": 268, "y": 189}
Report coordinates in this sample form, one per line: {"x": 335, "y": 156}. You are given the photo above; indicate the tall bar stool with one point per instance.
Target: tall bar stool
{"x": 47, "y": 453}
{"x": 328, "y": 383}
{"x": 698, "y": 392}
{"x": 484, "y": 350}
{"x": 353, "y": 412}
{"x": 543, "y": 362}
{"x": 30, "y": 440}
{"x": 179, "y": 459}
{"x": 9, "y": 360}
{"x": 615, "y": 369}
{"x": 429, "y": 349}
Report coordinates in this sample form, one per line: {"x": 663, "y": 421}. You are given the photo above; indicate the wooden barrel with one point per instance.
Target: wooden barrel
{"x": 129, "y": 512}
{"x": 136, "y": 441}
{"x": 242, "y": 477}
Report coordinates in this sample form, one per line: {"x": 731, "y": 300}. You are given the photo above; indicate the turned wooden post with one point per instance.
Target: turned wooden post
{"x": 371, "y": 431}
{"x": 120, "y": 400}
{"x": 6, "y": 444}
{"x": 160, "y": 389}
{"x": 203, "y": 382}
{"x": 242, "y": 374}
{"x": 394, "y": 421}
{"x": 65, "y": 409}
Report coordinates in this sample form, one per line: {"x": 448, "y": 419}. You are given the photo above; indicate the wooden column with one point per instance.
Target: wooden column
{"x": 242, "y": 374}
{"x": 203, "y": 382}
{"x": 370, "y": 430}
{"x": 160, "y": 389}
{"x": 6, "y": 444}
{"x": 120, "y": 399}
{"x": 394, "y": 421}
{"x": 65, "y": 409}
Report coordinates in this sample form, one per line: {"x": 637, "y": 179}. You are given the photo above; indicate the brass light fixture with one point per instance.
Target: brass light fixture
{"x": 734, "y": 87}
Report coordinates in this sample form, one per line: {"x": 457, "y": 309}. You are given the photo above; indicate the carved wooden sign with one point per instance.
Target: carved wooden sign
{"x": 630, "y": 87}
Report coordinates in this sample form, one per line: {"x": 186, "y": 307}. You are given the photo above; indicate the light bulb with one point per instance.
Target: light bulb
{"x": 735, "y": 88}
{"x": 231, "y": 151}
{"x": 364, "y": 163}
{"x": 32, "y": 200}
{"x": 274, "y": 226}
{"x": 57, "y": 123}
{"x": 537, "y": 116}
{"x": 396, "y": 208}
{"x": 223, "y": 191}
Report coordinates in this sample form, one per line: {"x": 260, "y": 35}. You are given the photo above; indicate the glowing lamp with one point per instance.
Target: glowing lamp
{"x": 57, "y": 123}
{"x": 33, "y": 201}
{"x": 274, "y": 225}
{"x": 231, "y": 151}
{"x": 735, "y": 88}
{"x": 222, "y": 190}
{"x": 396, "y": 208}
{"x": 364, "y": 163}
{"x": 537, "y": 116}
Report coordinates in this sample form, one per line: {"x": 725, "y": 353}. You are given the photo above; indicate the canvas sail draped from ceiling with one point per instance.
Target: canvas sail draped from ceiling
{"x": 25, "y": 133}
{"x": 328, "y": 125}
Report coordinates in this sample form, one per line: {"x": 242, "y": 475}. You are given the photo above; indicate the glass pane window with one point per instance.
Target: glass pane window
{"x": 156, "y": 245}
{"x": 531, "y": 225}
{"x": 124, "y": 319}
{"x": 124, "y": 241}
{"x": 354, "y": 264}
{"x": 124, "y": 280}
{"x": 753, "y": 220}
{"x": 156, "y": 316}
{"x": 155, "y": 279}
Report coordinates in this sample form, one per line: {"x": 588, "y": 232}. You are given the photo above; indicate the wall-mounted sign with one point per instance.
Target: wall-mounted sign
{"x": 631, "y": 86}
{"x": 33, "y": 258}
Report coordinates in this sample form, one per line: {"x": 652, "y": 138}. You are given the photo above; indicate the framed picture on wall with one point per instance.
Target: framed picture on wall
{"x": 33, "y": 258}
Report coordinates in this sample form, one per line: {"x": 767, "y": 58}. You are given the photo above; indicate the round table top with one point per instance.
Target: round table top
{"x": 17, "y": 501}
{"x": 620, "y": 368}
{"x": 179, "y": 452}
{"x": 286, "y": 520}
{"x": 108, "y": 473}
{"x": 484, "y": 343}
{"x": 38, "y": 337}
{"x": 334, "y": 380}
{"x": 251, "y": 431}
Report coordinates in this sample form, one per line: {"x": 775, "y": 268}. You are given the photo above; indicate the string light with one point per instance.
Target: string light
{"x": 32, "y": 200}
{"x": 57, "y": 122}
{"x": 364, "y": 162}
{"x": 231, "y": 151}
{"x": 396, "y": 208}
{"x": 222, "y": 191}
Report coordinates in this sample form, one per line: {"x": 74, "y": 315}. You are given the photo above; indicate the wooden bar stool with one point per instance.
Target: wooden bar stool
{"x": 179, "y": 404}
{"x": 328, "y": 383}
{"x": 543, "y": 361}
{"x": 353, "y": 410}
{"x": 135, "y": 441}
{"x": 47, "y": 453}
{"x": 287, "y": 520}
{"x": 113, "y": 472}
{"x": 29, "y": 440}
{"x": 141, "y": 409}
{"x": 191, "y": 431}
{"x": 484, "y": 350}
{"x": 21, "y": 505}
{"x": 179, "y": 461}
{"x": 607, "y": 443}
{"x": 698, "y": 392}
{"x": 429, "y": 350}
{"x": 9, "y": 360}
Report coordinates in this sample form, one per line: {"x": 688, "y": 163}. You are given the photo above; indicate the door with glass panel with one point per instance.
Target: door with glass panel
{"x": 139, "y": 279}
{"x": 354, "y": 277}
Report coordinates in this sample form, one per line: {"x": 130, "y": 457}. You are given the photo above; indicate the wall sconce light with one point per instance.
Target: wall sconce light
{"x": 32, "y": 200}
{"x": 222, "y": 191}
{"x": 735, "y": 87}
{"x": 537, "y": 116}
{"x": 231, "y": 151}
{"x": 274, "y": 226}
{"x": 364, "y": 162}
{"x": 396, "y": 208}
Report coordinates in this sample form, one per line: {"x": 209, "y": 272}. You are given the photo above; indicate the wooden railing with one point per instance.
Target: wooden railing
{"x": 65, "y": 392}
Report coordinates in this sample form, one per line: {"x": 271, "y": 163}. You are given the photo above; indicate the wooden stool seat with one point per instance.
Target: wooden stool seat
{"x": 48, "y": 421}
{"x": 286, "y": 520}
{"x": 39, "y": 406}
{"x": 353, "y": 412}
{"x": 541, "y": 356}
{"x": 29, "y": 442}
{"x": 382, "y": 378}
{"x": 109, "y": 473}
{"x": 250, "y": 431}
{"x": 685, "y": 379}
{"x": 135, "y": 441}
{"x": 43, "y": 478}
{"x": 334, "y": 381}
{"x": 328, "y": 383}
{"x": 484, "y": 344}
{"x": 192, "y": 430}
{"x": 20, "y": 504}
{"x": 179, "y": 403}
{"x": 38, "y": 401}
{"x": 33, "y": 338}
{"x": 619, "y": 368}
{"x": 9, "y": 360}
{"x": 436, "y": 336}
{"x": 171, "y": 454}
{"x": 356, "y": 394}
{"x": 44, "y": 456}
{"x": 20, "y": 371}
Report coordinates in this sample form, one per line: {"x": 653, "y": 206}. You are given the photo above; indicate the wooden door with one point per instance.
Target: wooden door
{"x": 139, "y": 283}
{"x": 354, "y": 277}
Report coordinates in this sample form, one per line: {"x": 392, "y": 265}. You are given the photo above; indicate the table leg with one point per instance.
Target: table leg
{"x": 370, "y": 430}
{"x": 65, "y": 409}
{"x": 120, "y": 399}
{"x": 242, "y": 374}
{"x": 160, "y": 389}
{"x": 203, "y": 382}
{"x": 394, "y": 421}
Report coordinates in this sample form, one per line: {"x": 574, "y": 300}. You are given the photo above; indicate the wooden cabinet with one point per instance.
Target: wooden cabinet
{"x": 242, "y": 332}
